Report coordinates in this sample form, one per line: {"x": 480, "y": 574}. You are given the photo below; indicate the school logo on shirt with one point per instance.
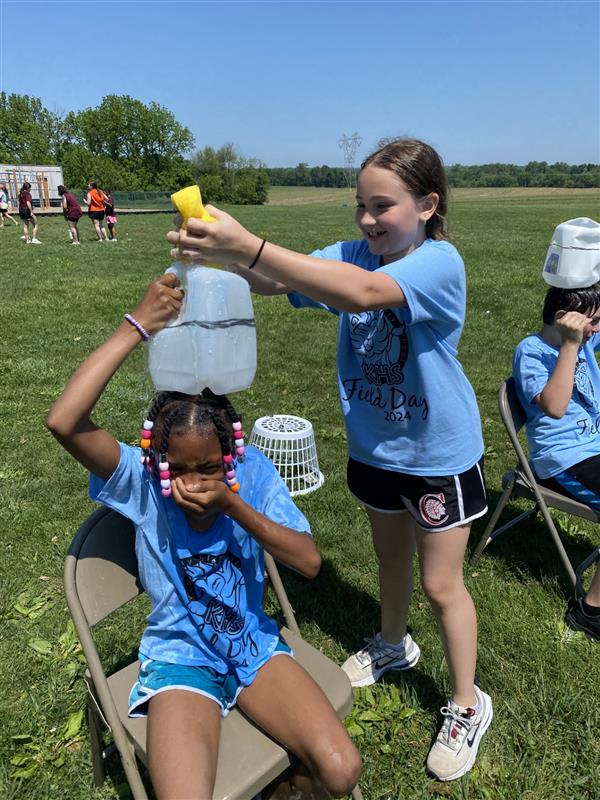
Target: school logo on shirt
{"x": 381, "y": 339}
{"x": 216, "y": 591}
{"x": 433, "y": 508}
{"x": 583, "y": 386}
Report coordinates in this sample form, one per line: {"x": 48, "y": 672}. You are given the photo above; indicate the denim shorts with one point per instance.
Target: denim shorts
{"x": 159, "y": 676}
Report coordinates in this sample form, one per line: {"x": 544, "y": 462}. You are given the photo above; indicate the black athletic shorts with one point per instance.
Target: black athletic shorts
{"x": 25, "y": 213}
{"x": 96, "y": 215}
{"x": 581, "y": 482}
{"x": 436, "y": 503}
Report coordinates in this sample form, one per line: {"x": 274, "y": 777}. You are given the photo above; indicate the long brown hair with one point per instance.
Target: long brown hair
{"x": 421, "y": 169}
{"x": 25, "y": 188}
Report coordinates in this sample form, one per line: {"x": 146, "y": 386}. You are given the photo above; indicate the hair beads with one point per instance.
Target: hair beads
{"x": 165, "y": 476}
{"x": 146, "y": 444}
{"x": 172, "y": 410}
{"x": 230, "y": 475}
{"x": 238, "y": 435}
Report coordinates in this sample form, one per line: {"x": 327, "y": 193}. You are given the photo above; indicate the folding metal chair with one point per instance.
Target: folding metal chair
{"x": 100, "y": 576}
{"x": 521, "y": 482}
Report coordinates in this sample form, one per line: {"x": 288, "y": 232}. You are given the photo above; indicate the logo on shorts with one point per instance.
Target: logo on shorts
{"x": 433, "y": 509}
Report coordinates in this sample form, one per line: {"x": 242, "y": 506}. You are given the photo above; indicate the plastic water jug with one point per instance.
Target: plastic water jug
{"x": 212, "y": 343}
{"x": 573, "y": 258}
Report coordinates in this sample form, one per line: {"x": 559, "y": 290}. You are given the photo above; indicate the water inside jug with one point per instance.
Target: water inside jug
{"x": 212, "y": 343}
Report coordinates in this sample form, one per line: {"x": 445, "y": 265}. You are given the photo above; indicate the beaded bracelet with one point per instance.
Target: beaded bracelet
{"x": 139, "y": 328}
{"x": 258, "y": 255}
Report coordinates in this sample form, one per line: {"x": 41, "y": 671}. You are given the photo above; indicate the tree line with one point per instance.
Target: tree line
{"x": 535, "y": 173}
{"x": 127, "y": 145}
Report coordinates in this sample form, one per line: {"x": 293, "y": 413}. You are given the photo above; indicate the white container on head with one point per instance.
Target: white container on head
{"x": 573, "y": 258}
{"x": 212, "y": 343}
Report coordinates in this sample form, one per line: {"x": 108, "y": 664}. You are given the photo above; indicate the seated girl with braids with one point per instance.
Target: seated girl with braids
{"x": 204, "y": 508}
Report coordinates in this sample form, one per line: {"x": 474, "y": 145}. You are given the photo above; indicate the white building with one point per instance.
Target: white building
{"x": 44, "y": 179}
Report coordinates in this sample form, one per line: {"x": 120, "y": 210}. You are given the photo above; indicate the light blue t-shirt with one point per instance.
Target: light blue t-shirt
{"x": 406, "y": 402}
{"x": 206, "y": 589}
{"x": 557, "y": 444}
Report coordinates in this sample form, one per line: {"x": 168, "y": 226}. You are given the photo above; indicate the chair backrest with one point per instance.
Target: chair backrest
{"x": 514, "y": 418}
{"x": 511, "y": 410}
{"x": 101, "y": 572}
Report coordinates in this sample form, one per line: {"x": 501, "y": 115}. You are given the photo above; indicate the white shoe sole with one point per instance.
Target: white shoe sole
{"x": 369, "y": 680}
{"x": 484, "y": 725}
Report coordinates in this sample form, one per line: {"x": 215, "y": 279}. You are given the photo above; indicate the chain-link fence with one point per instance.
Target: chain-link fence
{"x": 142, "y": 199}
{"x": 124, "y": 200}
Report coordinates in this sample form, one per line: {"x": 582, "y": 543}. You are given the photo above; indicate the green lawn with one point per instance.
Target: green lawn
{"x": 61, "y": 301}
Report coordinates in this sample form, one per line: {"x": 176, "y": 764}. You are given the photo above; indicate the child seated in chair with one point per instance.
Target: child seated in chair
{"x": 204, "y": 508}
{"x": 558, "y": 384}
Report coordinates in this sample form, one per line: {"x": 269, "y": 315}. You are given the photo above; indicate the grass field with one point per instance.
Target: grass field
{"x": 60, "y": 302}
{"x": 310, "y": 195}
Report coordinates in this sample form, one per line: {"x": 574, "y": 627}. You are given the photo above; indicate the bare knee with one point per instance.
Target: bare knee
{"x": 442, "y": 593}
{"x": 340, "y": 769}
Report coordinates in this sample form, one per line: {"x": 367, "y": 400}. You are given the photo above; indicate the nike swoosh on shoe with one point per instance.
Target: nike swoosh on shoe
{"x": 383, "y": 662}
{"x": 471, "y": 741}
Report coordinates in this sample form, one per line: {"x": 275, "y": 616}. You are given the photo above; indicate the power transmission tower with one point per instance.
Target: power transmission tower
{"x": 350, "y": 145}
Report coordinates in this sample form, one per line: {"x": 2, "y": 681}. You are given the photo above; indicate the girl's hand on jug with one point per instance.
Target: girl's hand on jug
{"x": 223, "y": 242}
{"x": 161, "y": 303}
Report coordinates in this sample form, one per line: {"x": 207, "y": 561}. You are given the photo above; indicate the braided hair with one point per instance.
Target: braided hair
{"x": 177, "y": 411}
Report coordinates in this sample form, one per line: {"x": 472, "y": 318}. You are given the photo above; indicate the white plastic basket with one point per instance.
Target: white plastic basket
{"x": 290, "y": 444}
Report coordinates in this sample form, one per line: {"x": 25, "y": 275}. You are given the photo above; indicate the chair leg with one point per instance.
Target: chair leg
{"x": 134, "y": 779}
{"x": 559, "y": 545}
{"x": 487, "y": 534}
{"x": 585, "y": 565}
{"x": 96, "y": 744}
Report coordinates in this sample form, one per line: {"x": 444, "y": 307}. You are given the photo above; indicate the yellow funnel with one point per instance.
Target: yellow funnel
{"x": 188, "y": 202}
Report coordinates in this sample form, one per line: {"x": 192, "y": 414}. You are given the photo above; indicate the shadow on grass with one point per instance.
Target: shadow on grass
{"x": 429, "y": 695}
{"x": 348, "y": 614}
{"x": 340, "y": 609}
{"x": 528, "y": 548}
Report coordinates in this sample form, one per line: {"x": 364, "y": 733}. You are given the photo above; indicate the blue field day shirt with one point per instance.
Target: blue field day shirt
{"x": 206, "y": 589}
{"x": 557, "y": 444}
{"x": 406, "y": 401}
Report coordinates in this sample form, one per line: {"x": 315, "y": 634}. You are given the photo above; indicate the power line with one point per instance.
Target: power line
{"x": 350, "y": 145}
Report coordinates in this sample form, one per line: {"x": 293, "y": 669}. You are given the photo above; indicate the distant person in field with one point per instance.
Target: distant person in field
{"x": 111, "y": 219}
{"x": 4, "y": 205}
{"x": 27, "y": 216}
{"x": 558, "y": 384}
{"x": 94, "y": 200}
{"x": 414, "y": 432}
{"x": 72, "y": 212}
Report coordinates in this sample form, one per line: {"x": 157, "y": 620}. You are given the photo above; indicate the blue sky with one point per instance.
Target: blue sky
{"x": 482, "y": 81}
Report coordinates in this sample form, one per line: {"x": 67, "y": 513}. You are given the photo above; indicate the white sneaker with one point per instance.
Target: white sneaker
{"x": 24, "y": 237}
{"x": 369, "y": 664}
{"x": 35, "y": 241}
{"x": 454, "y": 751}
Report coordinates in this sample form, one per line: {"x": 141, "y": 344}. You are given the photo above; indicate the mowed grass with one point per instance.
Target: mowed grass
{"x": 60, "y": 302}
{"x": 310, "y": 195}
